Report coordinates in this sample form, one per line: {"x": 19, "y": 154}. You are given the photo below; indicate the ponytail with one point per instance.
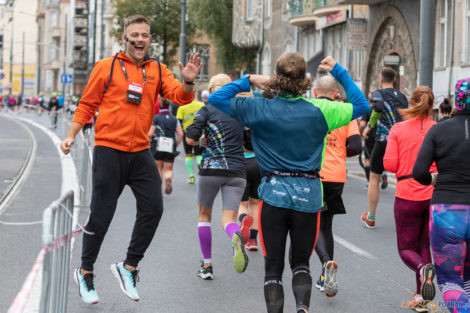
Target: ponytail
{"x": 421, "y": 104}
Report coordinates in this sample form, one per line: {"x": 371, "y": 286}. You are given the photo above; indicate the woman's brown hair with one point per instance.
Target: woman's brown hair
{"x": 421, "y": 104}
{"x": 290, "y": 78}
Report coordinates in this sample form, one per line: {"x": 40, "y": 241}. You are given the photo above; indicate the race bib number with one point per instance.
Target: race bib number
{"x": 134, "y": 92}
{"x": 165, "y": 144}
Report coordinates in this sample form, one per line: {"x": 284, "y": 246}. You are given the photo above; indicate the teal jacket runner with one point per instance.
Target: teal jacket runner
{"x": 288, "y": 134}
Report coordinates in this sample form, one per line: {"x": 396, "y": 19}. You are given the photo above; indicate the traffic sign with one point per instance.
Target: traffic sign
{"x": 66, "y": 79}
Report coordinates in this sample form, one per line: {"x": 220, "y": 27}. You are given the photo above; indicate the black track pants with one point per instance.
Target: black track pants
{"x": 112, "y": 170}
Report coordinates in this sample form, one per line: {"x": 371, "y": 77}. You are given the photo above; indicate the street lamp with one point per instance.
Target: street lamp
{"x": 183, "y": 36}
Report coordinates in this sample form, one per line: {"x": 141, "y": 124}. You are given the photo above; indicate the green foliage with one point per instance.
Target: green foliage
{"x": 214, "y": 17}
{"x": 165, "y": 21}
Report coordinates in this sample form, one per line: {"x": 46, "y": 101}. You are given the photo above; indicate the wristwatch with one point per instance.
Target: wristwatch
{"x": 189, "y": 83}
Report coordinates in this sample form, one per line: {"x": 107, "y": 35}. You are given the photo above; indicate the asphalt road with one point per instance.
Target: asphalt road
{"x": 371, "y": 275}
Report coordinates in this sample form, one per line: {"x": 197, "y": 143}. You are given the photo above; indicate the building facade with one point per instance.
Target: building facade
{"x": 263, "y": 25}
{"x": 393, "y": 40}
{"x": 327, "y": 28}
{"x": 18, "y": 57}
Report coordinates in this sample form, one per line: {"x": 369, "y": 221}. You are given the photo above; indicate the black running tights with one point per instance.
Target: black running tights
{"x": 325, "y": 246}
{"x": 275, "y": 224}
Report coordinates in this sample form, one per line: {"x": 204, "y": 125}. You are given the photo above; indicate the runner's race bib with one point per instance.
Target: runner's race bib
{"x": 134, "y": 93}
{"x": 165, "y": 144}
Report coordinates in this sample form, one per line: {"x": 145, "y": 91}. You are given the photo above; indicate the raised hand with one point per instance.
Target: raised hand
{"x": 327, "y": 64}
{"x": 260, "y": 81}
{"x": 192, "y": 68}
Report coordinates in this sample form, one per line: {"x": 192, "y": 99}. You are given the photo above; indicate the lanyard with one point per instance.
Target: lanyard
{"x": 125, "y": 72}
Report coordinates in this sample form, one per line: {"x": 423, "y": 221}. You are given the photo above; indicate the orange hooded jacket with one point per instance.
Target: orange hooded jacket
{"x": 124, "y": 125}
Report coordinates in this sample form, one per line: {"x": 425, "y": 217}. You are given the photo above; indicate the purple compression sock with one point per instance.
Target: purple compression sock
{"x": 231, "y": 229}
{"x": 205, "y": 240}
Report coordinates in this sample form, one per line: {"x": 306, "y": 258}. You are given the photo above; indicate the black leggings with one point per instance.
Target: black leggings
{"x": 325, "y": 246}
{"x": 274, "y": 225}
{"x": 112, "y": 170}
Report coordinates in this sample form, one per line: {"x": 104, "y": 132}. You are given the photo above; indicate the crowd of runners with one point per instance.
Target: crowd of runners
{"x": 278, "y": 160}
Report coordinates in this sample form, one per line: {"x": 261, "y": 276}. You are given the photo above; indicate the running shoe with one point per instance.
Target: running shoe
{"x": 240, "y": 258}
{"x": 126, "y": 279}
{"x": 320, "y": 284}
{"x": 330, "y": 284}
{"x": 252, "y": 245}
{"x": 245, "y": 227}
{"x": 419, "y": 304}
{"x": 370, "y": 223}
{"x": 428, "y": 290}
{"x": 168, "y": 187}
{"x": 206, "y": 273}
{"x": 86, "y": 287}
{"x": 191, "y": 179}
{"x": 384, "y": 184}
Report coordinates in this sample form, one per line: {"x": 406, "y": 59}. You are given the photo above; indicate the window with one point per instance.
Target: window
{"x": 266, "y": 61}
{"x": 52, "y": 52}
{"x": 204, "y": 54}
{"x": 268, "y": 8}
{"x": 249, "y": 12}
{"x": 466, "y": 32}
{"x": 53, "y": 19}
{"x": 442, "y": 28}
{"x": 311, "y": 42}
{"x": 358, "y": 64}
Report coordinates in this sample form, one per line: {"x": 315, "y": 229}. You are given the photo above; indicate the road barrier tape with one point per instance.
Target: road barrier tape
{"x": 19, "y": 303}
{"x": 20, "y": 300}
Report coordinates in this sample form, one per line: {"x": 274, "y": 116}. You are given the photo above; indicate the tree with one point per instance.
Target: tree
{"x": 214, "y": 17}
{"x": 165, "y": 20}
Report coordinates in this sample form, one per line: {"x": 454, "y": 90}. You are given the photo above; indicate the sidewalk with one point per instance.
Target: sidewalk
{"x": 15, "y": 150}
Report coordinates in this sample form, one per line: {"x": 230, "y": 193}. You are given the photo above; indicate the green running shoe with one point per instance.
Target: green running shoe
{"x": 191, "y": 179}
{"x": 240, "y": 258}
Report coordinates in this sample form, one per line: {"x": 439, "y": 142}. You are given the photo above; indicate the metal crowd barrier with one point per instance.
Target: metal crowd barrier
{"x": 54, "y": 258}
{"x": 57, "y": 234}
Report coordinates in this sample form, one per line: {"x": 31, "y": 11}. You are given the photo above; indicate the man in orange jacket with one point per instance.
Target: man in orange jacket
{"x": 125, "y": 92}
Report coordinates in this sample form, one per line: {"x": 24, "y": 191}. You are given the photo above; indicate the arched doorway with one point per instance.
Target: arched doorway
{"x": 391, "y": 46}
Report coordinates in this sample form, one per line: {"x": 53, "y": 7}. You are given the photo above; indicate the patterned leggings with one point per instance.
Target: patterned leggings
{"x": 450, "y": 242}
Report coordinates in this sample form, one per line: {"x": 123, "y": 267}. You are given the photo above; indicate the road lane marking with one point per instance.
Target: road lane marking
{"x": 24, "y": 172}
{"x": 353, "y": 248}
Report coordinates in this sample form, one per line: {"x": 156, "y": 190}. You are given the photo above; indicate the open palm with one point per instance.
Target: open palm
{"x": 192, "y": 68}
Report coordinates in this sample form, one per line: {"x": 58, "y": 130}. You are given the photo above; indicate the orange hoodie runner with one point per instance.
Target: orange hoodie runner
{"x": 124, "y": 125}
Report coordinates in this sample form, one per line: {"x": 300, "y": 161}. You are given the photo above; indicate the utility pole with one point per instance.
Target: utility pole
{"x": 38, "y": 76}
{"x": 261, "y": 39}
{"x": 91, "y": 34}
{"x": 183, "y": 36}
{"x": 22, "y": 69}
{"x": 427, "y": 16}
{"x": 65, "y": 57}
{"x": 11, "y": 56}
{"x": 103, "y": 7}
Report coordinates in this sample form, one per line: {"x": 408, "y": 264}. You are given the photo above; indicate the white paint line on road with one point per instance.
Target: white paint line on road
{"x": 359, "y": 254}
{"x": 69, "y": 172}
{"x": 353, "y": 248}
{"x": 25, "y": 171}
